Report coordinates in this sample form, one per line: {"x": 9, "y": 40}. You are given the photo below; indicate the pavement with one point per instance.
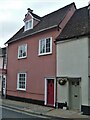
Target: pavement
{"x": 43, "y": 110}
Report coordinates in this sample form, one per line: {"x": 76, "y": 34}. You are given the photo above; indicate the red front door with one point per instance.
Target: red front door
{"x": 50, "y": 92}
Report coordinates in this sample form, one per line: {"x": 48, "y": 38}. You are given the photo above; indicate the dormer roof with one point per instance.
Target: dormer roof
{"x": 30, "y": 12}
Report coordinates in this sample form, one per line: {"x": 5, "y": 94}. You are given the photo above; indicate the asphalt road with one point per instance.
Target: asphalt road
{"x": 13, "y": 114}
{"x": 8, "y": 113}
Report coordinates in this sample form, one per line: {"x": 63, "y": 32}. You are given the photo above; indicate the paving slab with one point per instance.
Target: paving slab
{"x": 66, "y": 114}
{"x": 44, "y": 110}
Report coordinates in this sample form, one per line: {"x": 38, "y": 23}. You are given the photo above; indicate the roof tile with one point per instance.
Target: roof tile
{"x": 77, "y": 25}
{"x": 51, "y": 20}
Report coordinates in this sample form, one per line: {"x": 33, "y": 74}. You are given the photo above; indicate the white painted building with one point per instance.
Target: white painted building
{"x": 73, "y": 64}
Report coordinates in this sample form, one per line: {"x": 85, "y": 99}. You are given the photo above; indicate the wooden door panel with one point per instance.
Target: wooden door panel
{"x": 50, "y": 92}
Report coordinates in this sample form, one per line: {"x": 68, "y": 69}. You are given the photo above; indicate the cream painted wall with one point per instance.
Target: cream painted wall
{"x": 72, "y": 61}
{"x": 62, "y": 93}
{"x": 89, "y": 92}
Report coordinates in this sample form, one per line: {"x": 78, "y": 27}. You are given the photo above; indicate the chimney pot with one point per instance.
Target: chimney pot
{"x": 29, "y": 10}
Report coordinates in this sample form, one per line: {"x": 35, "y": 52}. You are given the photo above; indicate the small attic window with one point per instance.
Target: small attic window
{"x": 28, "y": 25}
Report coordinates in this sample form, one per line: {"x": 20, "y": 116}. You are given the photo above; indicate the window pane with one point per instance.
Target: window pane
{"x": 48, "y": 45}
{"x": 42, "y": 46}
{"x": 28, "y": 25}
{"x": 22, "y": 80}
{"x": 22, "y": 51}
{"x": 45, "y": 46}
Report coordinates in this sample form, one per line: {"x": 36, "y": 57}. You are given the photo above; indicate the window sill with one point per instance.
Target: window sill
{"x": 19, "y": 89}
{"x": 22, "y": 57}
{"x": 25, "y": 30}
{"x": 44, "y": 54}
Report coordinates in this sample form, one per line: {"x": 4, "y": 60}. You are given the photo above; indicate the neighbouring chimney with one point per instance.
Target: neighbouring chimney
{"x": 29, "y": 10}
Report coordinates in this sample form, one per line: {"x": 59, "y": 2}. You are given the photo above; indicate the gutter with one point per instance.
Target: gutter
{"x": 67, "y": 38}
{"x": 32, "y": 33}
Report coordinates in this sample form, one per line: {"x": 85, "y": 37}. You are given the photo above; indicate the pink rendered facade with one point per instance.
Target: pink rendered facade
{"x": 39, "y": 68}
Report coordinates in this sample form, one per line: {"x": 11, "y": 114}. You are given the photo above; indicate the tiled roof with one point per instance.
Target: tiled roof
{"x": 48, "y": 21}
{"x": 77, "y": 25}
{"x": 36, "y": 16}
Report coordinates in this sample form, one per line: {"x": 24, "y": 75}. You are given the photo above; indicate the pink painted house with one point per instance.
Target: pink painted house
{"x": 31, "y": 67}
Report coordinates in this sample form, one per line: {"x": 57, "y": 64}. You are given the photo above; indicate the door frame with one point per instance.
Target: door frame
{"x": 45, "y": 95}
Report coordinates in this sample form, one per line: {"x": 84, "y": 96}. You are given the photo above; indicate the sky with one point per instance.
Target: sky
{"x": 12, "y": 13}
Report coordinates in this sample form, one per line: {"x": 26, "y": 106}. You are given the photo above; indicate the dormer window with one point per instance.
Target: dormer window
{"x": 30, "y": 20}
{"x": 28, "y": 24}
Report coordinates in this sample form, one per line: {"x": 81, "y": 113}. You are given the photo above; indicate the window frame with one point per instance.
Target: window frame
{"x": 18, "y": 76}
{"x": 27, "y": 25}
{"x": 45, "y": 53}
{"x": 19, "y": 47}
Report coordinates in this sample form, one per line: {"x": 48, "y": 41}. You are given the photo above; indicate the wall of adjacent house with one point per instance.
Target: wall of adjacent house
{"x": 1, "y": 62}
{"x": 89, "y": 57}
{"x": 62, "y": 93}
{"x": 1, "y": 66}
{"x": 89, "y": 68}
{"x": 72, "y": 61}
{"x": 89, "y": 91}
{"x": 0, "y": 82}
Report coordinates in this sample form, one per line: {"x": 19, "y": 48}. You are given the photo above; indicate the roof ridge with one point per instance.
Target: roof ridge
{"x": 82, "y": 7}
{"x": 36, "y": 16}
{"x": 59, "y": 9}
{"x": 45, "y": 23}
